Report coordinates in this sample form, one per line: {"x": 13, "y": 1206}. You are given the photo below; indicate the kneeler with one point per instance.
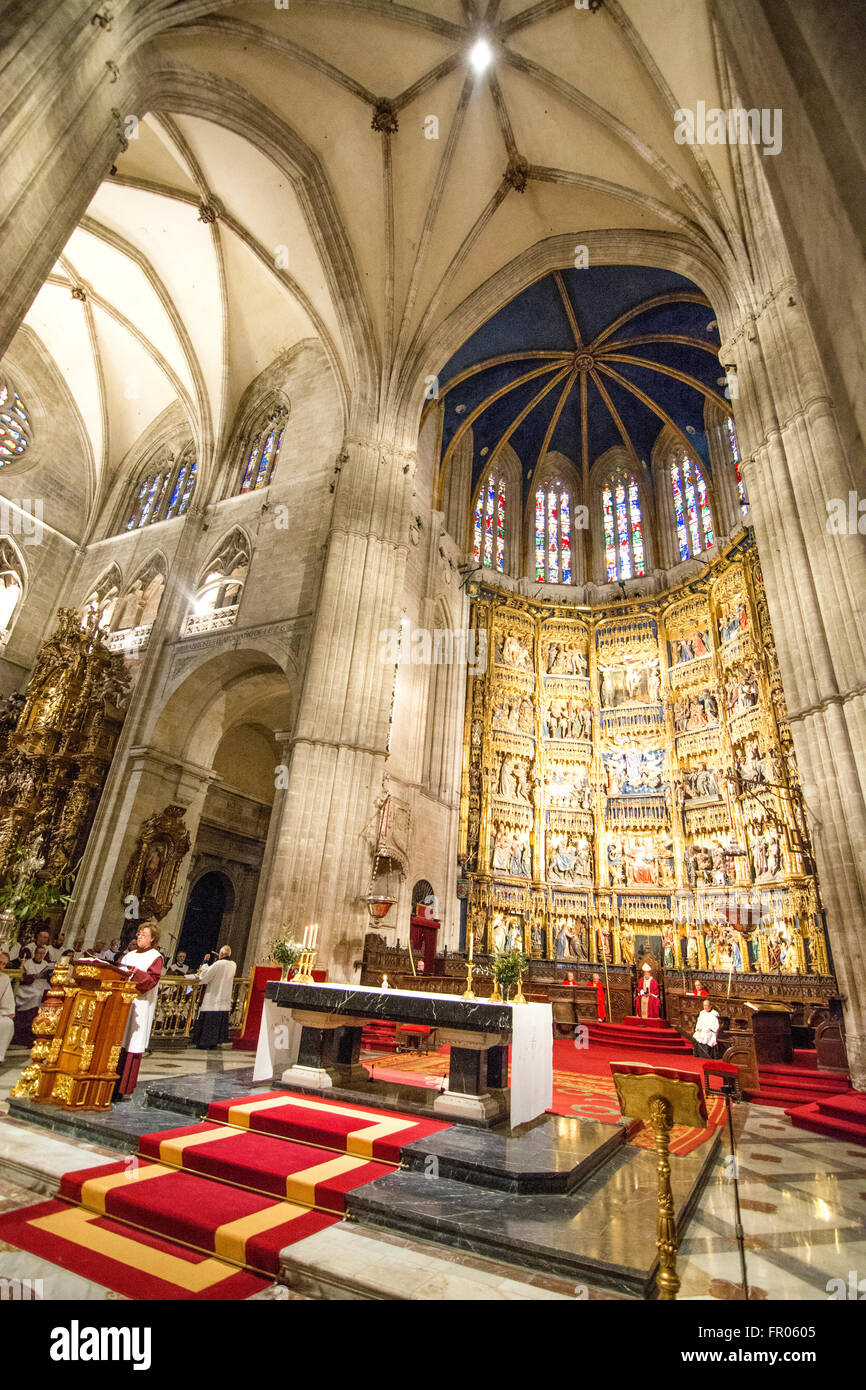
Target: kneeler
{"x": 666, "y": 1097}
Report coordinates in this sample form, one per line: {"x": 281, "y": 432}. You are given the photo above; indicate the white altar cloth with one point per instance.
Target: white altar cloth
{"x": 531, "y": 1062}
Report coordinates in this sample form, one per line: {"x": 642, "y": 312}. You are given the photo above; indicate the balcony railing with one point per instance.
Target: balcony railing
{"x": 129, "y": 640}
{"x": 214, "y": 621}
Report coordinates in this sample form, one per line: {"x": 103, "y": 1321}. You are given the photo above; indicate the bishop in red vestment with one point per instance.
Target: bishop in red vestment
{"x": 647, "y": 996}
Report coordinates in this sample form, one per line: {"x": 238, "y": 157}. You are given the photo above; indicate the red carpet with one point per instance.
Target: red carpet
{"x": 130, "y": 1262}
{"x": 787, "y": 1084}
{"x": 842, "y": 1117}
{"x": 272, "y": 1166}
{"x": 640, "y": 1035}
{"x": 582, "y": 1084}
{"x": 204, "y": 1210}
{"x": 242, "y": 1227}
{"x": 351, "y": 1129}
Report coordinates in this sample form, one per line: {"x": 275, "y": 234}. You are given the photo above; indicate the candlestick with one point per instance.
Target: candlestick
{"x": 471, "y": 941}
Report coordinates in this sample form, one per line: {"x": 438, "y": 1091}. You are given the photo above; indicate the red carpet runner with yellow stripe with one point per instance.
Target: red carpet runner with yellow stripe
{"x": 202, "y": 1212}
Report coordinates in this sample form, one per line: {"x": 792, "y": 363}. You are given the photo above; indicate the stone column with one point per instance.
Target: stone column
{"x": 319, "y": 857}
{"x": 794, "y": 466}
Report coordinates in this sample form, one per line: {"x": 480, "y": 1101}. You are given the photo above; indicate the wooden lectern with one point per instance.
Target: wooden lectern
{"x": 77, "y": 1069}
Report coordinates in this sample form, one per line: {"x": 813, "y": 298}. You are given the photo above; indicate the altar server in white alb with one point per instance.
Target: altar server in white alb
{"x": 706, "y": 1031}
{"x": 212, "y": 1024}
{"x": 145, "y": 963}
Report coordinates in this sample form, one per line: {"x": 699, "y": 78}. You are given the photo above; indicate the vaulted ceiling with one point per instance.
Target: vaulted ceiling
{"x": 340, "y": 170}
{"x": 581, "y": 361}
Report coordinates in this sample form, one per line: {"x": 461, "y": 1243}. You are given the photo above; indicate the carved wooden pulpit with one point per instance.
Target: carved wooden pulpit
{"x": 79, "y": 1032}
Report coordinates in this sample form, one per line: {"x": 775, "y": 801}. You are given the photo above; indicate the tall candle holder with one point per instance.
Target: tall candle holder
{"x": 304, "y": 969}
{"x": 468, "y": 992}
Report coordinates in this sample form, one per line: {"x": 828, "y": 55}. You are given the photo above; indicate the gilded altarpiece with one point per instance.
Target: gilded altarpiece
{"x": 629, "y": 782}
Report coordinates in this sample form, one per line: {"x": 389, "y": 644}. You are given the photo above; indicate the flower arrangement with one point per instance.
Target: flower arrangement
{"x": 507, "y": 968}
{"x": 285, "y": 952}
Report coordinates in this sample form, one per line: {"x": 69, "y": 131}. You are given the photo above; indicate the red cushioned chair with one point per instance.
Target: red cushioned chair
{"x": 417, "y": 1037}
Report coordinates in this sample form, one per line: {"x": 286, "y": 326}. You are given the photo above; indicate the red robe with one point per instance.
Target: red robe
{"x": 701, "y": 993}
{"x": 602, "y": 1007}
{"x": 648, "y": 991}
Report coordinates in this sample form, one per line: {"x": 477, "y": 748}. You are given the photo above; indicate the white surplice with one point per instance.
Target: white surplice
{"x": 140, "y": 1020}
{"x": 219, "y": 978}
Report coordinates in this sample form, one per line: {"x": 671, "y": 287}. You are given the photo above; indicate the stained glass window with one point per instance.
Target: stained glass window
{"x": 488, "y": 545}
{"x": 262, "y": 449}
{"x": 691, "y": 506}
{"x": 14, "y": 424}
{"x": 622, "y": 524}
{"x": 553, "y": 534}
{"x": 164, "y": 493}
{"x": 735, "y": 455}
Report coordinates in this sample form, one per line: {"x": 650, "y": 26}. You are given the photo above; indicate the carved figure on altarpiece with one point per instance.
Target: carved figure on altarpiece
{"x": 571, "y": 940}
{"x": 696, "y": 711}
{"x": 511, "y": 851}
{"x": 565, "y": 659}
{"x": 569, "y": 858}
{"x": 633, "y": 772}
{"x": 513, "y": 649}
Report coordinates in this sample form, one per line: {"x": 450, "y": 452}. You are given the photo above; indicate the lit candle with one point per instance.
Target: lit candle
{"x": 306, "y": 936}
{"x": 471, "y": 940}
{"x": 315, "y": 940}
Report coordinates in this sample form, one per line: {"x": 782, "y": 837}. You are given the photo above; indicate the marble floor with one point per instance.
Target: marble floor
{"x": 803, "y": 1201}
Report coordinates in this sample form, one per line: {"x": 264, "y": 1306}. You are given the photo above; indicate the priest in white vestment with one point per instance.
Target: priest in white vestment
{"x": 145, "y": 963}
{"x": 706, "y": 1031}
{"x": 7, "y": 1006}
{"x": 212, "y": 1024}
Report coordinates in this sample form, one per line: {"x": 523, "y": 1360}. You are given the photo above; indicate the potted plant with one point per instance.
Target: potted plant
{"x": 507, "y": 968}
{"x": 285, "y": 952}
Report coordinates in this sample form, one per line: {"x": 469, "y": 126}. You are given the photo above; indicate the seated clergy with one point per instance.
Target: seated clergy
{"x": 145, "y": 963}
{"x": 212, "y": 1024}
{"x": 35, "y": 979}
{"x": 7, "y": 1006}
{"x": 179, "y": 965}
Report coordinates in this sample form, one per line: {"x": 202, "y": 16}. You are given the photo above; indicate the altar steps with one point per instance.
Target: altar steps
{"x": 783, "y": 1085}
{"x": 207, "y": 1200}
{"x": 639, "y": 1035}
{"x": 843, "y": 1117}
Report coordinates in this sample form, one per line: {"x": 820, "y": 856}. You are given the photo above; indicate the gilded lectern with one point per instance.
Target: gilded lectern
{"x": 79, "y": 1032}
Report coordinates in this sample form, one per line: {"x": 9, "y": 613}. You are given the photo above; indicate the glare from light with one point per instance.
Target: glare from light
{"x": 481, "y": 55}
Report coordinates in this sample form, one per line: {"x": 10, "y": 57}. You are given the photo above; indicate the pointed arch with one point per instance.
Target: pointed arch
{"x": 497, "y": 506}
{"x": 13, "y": 585}
{"x": 139, "y": 604}
{"x": 220, "y": 585}
{"x": 98, "y": 609}
{"x": 688, "y": 519}
{"x": 622, "y": 499}
{"x": 551, "y": 522}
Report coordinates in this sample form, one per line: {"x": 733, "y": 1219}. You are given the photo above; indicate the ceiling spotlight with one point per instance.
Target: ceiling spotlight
{"x": 481, "y": 55}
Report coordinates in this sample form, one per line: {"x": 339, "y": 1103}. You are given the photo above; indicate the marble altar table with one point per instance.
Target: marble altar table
{"x": 318, "y": 1027}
